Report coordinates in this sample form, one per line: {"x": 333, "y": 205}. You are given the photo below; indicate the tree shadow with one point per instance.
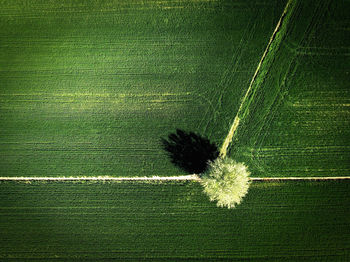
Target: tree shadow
{"x": 189, "y": 151}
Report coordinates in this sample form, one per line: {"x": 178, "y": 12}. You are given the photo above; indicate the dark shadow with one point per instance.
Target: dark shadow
{"x": 189, "y": 151}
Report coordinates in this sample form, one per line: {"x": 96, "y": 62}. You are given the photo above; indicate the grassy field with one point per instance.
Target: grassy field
{"x": 284, "y": 221}
{"x": 296, "y": 120}
{"x": 89, "y": 87}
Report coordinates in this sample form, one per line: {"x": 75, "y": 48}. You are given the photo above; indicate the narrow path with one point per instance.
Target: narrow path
{"x": 315, "y": 178}
{"x": 103, "y": 178}
{"x": 243, "y": 107}
{"x": 164, "y": 178}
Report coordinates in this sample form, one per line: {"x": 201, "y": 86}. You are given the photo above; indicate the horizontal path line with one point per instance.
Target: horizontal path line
{"x": 104, "y": 178}
{"x": 159, "y": 178}
{"x": 299, "y": 178}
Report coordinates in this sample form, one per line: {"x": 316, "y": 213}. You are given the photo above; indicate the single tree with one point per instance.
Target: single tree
{"x": 226, "y": 182}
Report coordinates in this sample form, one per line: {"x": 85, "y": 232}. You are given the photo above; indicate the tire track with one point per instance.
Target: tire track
{"x": 249, "y": 95}
{"x": 290, "y": 72}
{"x": 227, "y": 77}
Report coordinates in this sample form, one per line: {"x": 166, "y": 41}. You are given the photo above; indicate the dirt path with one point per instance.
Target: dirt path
{"x": 103, "y": 178}
{"x": 248, "y": 94}
{"x": 164, "y": 178}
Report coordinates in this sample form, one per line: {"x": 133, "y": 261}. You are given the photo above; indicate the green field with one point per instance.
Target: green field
{"x": 89, "y": 87}
{"x": 296, "y": 121}
{"x": 284, "y": 221}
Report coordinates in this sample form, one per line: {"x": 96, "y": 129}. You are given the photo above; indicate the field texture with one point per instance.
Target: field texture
{"x": 295, "y": 121}
{"x": 59, "y": 221}
{"x": 89, "y": 87}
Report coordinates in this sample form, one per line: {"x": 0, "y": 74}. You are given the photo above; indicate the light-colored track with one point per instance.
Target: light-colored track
{"x": 103, "y": 178}
{"x": 159, "y": 178}
{"x": 237, "y": 119}
{"x": 299, "y": 178}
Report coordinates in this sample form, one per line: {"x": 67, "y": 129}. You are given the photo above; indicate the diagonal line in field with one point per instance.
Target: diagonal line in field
{"x": 234, "y": 126}
{"x": 159, "y": 178}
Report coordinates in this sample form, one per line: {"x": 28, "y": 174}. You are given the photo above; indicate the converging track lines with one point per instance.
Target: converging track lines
{"x": 249, "y": 95}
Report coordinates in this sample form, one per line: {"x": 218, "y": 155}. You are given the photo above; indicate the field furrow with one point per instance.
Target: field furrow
{"x": 88, "y": 89}
{"x": 168, "y": 221}
{"x": 298, "y": 122}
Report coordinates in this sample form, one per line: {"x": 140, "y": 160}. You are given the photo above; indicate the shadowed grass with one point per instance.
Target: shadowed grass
{"x": 190, "y": 151}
